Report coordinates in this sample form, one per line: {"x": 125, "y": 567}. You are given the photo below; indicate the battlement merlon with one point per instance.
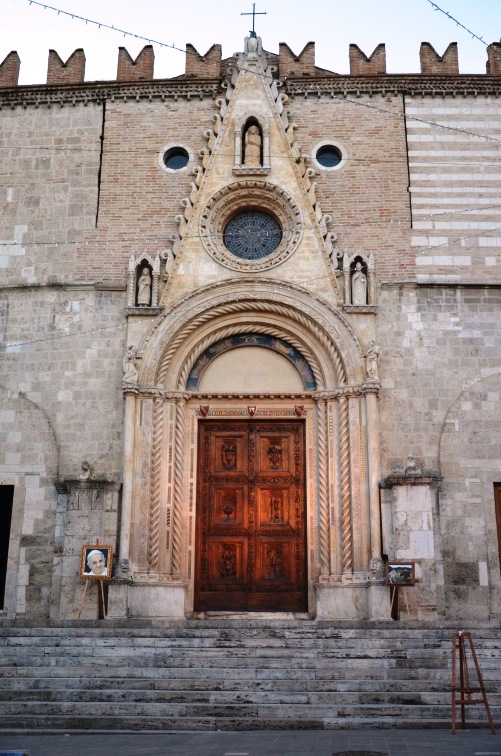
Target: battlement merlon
{"x": 211, "y": 66}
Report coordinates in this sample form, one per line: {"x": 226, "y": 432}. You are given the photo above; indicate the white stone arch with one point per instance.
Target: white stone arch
{"x": 318, "y": 330}
{"x": 161, "y": 430}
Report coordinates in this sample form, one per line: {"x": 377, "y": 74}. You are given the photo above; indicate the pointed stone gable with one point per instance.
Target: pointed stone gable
{"x": 278, "y": 183}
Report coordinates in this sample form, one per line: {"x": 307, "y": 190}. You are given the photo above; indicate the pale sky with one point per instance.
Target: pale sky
{"x": 401, "y": 24}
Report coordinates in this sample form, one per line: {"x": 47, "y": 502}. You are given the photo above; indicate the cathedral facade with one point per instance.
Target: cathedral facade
{"x": 251, "y": 348}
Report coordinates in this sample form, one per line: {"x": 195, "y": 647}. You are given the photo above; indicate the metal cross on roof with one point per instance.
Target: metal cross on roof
{"x": 254, "y": 14}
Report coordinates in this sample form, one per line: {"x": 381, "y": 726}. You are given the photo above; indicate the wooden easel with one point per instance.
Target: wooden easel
{"x": 395, "y": 600}
{"x": 465, "y": 690}
{"x": 101, "y": 597}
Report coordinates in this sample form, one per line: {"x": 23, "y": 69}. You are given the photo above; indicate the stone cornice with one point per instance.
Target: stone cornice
{"x": 431, "y": 479}
{"x": 110, "y": 91}
{"x": 370, "y": 387}
{"x": 397, "y": 84}
{"x": 183, "y": 88}
{"x": 90, "y": 484}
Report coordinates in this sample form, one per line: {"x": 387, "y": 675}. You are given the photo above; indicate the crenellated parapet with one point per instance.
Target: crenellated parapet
{"x": 286, "y": 66}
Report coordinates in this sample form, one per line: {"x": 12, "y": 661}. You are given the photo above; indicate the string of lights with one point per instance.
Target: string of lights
{"x": 458, "y": 23}
{"x": 488, "y": 209}
{"x": 111, "y": 27}
{"x": 172, "y": 46}
{"x": 38, "y": 340}
{"x": 58, "y": 336}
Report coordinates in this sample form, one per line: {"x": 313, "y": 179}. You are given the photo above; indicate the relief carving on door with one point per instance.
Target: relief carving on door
{"x": 251, "y": 525}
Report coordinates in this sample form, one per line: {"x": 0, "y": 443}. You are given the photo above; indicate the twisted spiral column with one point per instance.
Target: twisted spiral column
{"x": 156, "y": 463}
{"x": 345, "y": 487}
{"x": 322, "y": 489}
{"x": 178, "y": 488}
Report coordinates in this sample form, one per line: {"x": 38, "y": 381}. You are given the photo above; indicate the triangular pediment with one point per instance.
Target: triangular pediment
{"x": 253, "y": 208}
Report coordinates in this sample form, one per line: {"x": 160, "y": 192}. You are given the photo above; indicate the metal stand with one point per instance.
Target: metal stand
{"x": 465, "y": 690}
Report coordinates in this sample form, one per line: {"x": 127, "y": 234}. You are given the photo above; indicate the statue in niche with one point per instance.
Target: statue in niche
{"x": 372, "y": 360}
{"x": 130, "y": 374}
{"x": 144, "y": 288}
{"x": 252, "y": 142}
{"x": 359, "y": 286}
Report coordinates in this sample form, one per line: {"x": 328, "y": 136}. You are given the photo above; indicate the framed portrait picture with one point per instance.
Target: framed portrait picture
{"x": 400, "y": 573}
{"x": 97, "y": 561}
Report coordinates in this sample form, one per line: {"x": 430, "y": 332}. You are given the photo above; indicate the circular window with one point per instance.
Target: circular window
{"x": 176, "y": 158}
{"x": 328, "y": 156}
{"x": 252, "y": 235}
{"x": 251, "y": 226}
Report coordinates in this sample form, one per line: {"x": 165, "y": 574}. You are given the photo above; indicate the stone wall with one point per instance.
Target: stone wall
{"x": 86, "y": 188}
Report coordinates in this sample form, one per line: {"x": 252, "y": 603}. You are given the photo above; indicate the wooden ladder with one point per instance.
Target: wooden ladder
{"x": 463, "y": 695}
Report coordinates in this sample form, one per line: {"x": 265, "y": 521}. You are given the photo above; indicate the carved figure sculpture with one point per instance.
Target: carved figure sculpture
{"x": 86, "y": 470}
{"x": 252, "y": 44}
{"x": 130, "y": 373}
{"x": 122, "y": 570}
{"x": 372, "y": 360}
{"x": 144, "y": 288}
{"x": 252, "y": 146}
{"x": 359, "y": 286}
{"x": 168, "y": 257}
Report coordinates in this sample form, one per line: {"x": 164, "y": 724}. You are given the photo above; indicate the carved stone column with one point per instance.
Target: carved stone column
{"x": 177, "y": 517}
{"x": 131, "y": 282}
{"x": 346, "y": 277}
{"x": 156, "y": 462}
{"x": 128, "y": 471}
{"x": 373, "y": 470}
{"x": 156, "y": 279}
{"x": 345, "y": 469}
{"x": 238, "y": 145}
{"x": 323, "y": 493}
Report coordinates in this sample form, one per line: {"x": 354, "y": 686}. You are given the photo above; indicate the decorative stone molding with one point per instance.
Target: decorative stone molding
{"x": 257, "y": 195}
{"x": 432, "y": 479}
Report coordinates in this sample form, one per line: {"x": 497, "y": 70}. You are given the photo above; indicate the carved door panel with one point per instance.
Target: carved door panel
{"x": 250, "y": 547}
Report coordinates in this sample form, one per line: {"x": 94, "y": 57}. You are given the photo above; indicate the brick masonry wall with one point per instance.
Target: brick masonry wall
{"x": 367, "y": 196}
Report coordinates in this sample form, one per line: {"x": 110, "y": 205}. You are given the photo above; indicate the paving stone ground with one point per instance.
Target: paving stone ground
{"x": 269, "y": 743}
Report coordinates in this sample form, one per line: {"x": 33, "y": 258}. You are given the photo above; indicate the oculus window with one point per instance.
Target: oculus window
{"x": 252, "y": 235}
{"x": 176, "y": 158}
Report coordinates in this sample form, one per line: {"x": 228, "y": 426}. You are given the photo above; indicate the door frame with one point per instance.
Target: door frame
{"x": 281, "y": 410}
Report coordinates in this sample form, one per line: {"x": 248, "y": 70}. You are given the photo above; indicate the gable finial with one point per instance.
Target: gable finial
{"x": 254, "y": 14}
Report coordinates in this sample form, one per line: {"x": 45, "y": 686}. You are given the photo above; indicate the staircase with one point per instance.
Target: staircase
{"x": 227, "y": 674}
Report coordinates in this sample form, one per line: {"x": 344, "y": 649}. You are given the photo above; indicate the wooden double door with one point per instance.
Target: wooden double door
{"x": 251, "y": 524}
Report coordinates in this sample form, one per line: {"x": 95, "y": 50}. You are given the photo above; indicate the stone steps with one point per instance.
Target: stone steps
{"x": 232, "y": 675}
